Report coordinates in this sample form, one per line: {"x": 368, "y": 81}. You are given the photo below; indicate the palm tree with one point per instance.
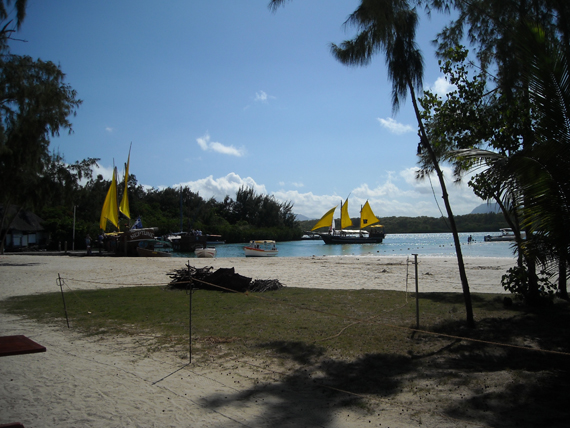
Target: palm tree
{"x": 7, "y": 27}
{"x": 547, "y": 208}
{"x": 533, "y": 178}
{"x": 389, "y": 27}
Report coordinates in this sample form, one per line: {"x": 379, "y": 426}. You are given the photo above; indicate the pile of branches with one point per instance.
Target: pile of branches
{"x": 221, "y": 280}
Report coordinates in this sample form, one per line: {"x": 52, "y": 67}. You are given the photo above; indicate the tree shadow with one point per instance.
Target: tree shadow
{"x": 535, "y": 383}
{"x": 526, "y": 401}
{"x": 477, "y": 301}
{"x": 472, "y": 381}
{"x": 299, "y": 352}
{"x": 309, "y": 395}
{"x": 5, "y": 263}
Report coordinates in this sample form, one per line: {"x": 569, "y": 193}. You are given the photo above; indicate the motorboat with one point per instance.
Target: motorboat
{"x": 261, "y": 248}
{"x": 507, "y": 234}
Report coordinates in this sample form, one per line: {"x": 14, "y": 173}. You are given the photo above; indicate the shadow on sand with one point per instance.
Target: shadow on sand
{"x": 461, "y": 381}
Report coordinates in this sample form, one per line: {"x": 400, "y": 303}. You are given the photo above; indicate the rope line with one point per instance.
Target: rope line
{"x": 165, "y": 284}
{"x": 370, "y": 320}
{"x": 357, "y": 320}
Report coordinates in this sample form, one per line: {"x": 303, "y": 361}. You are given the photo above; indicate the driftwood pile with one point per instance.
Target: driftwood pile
{"x": 221, "y": 280}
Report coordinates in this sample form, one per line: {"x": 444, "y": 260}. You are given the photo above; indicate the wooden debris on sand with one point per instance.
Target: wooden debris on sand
{"x": 224, "y": 279}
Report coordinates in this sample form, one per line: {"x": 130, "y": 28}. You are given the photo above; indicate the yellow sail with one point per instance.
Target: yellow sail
{"x": 110, "y": 210}
{"x": 367, "y": 217}
{"x": 124, "y": 207}
{"x": 345, "y": 220}
{"x": 326, "y": 220}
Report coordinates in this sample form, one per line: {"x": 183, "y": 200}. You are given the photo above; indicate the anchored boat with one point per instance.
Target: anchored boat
{"x": 263, "y": 248}
{"x": 507, "y": 234}
{"x": 351, "y": 236}
{"x": 154, "y": 248}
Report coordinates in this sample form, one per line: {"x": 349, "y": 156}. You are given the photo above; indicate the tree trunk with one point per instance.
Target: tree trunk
{"x": 515, "y": 226}
{"x": 562, "y": 282}
{"x": 445, "y": 196}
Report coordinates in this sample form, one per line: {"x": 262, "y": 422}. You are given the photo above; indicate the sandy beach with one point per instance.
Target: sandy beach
{"x": 104, "y": 382}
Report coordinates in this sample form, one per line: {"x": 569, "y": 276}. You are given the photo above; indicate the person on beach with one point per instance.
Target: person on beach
{"x": 88, "y": 244}
{"x": 100, "y": 239}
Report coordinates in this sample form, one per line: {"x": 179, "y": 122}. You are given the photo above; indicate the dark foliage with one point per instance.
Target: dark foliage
{"x": 169, "y": 210}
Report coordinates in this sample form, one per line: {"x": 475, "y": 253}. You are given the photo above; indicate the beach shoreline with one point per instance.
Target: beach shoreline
{"x": 24, "y": 274}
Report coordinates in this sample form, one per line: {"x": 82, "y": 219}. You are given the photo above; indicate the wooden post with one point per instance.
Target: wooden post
{"x": 417, "y": 294}
{"x": 60, "y": 282}
{"x": 190, "y": 292}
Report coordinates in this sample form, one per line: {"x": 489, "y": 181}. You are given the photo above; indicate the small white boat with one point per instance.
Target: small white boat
{"x": 262, "y": 248}
{"x": 507, "y": 234}
{"x": 208, "y": 252}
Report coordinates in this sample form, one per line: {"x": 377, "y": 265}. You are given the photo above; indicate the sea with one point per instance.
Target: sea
{"x": 400, "y": 244}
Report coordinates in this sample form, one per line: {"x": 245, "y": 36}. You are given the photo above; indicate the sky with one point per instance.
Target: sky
{"x": 219, "y": 94}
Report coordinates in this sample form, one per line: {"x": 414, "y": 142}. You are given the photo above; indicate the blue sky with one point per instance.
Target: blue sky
{"x": 222, "y": 93}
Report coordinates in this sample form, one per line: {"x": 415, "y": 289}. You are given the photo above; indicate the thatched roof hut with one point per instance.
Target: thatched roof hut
{"x": 23, "y": 229}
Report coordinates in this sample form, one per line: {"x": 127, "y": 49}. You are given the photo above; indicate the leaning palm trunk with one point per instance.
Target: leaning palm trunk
{"x": 562, "y": 267}
{"x": 432, "y": 156}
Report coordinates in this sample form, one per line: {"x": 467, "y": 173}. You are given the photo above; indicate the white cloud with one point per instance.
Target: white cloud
{"x": 309, "y": 204}
{"x": 262, "y": 96}
{"x": 297, "y": 184}
{"x": 461, "y": 197}
{"x": 218, "y": 188}
{"x": 395, "y": 127}
{"x": 399, "y": 195}
{"x": 442, "y": 87}
{"x": 106, "y": 172}
{"x": 109, "y": 129}
{"x": 206, "y": 145}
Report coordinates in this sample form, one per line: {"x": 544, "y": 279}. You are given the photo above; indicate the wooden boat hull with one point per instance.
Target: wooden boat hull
{"x": 260, "y": 248}
{"x": 498, "y": 238}
{"x": 338, "y": 239}
{"x": 145, "y": 252}
{"x": 256, "y": 252}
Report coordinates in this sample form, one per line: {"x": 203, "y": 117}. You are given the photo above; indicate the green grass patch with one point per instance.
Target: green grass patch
{"x": 348, "y": 323}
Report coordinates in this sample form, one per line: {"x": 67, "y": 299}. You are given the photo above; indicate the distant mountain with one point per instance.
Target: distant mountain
{"x": 487, "y": 208}
{"x": 301, "y": 217}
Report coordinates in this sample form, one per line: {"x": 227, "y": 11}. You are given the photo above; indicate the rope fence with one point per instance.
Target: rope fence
{"x": 354, "y": 320}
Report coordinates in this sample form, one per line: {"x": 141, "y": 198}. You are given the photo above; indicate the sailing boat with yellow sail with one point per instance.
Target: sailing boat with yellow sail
{"x": 351, "y": 236}
{"x": 135, "y": 240}
{"x": 110, "y": 211}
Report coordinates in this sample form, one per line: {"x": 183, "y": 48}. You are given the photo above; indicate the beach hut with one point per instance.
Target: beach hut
{"x": 23, "y": 229}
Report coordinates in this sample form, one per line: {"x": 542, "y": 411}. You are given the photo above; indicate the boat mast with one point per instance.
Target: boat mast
{"x": 181, "y": 219}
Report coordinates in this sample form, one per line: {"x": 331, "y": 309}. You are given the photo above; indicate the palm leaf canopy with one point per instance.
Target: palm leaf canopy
{"x": 389, "y": 27}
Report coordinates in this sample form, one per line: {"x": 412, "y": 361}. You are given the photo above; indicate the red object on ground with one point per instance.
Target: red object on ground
{"x": 18, "y": 345}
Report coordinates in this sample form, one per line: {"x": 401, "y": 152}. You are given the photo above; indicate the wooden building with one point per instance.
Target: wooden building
{"x": 24, "y": 230}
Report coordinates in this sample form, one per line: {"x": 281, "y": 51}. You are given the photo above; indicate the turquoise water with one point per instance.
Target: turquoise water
{"x": 423, "y": 244}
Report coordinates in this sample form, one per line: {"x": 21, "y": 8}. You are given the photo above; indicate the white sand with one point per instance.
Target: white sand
{"x": 112, "y": 382}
